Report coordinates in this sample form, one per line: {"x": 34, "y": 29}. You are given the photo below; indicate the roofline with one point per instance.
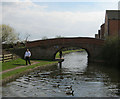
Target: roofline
{"x": 112, "y": 10}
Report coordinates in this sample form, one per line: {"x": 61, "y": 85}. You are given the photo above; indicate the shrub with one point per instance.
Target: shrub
{"x": 111, "y": 51}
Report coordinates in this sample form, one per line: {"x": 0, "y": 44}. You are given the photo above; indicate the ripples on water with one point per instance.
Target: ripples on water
{"x": 76, "y": 78}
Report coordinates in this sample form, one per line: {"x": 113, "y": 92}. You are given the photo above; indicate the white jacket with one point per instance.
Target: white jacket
{"x": 27, "y": 54}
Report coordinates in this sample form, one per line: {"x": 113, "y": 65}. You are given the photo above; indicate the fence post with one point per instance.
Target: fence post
{"x": 3, "y": 58}
{"x": 12, "y": 56}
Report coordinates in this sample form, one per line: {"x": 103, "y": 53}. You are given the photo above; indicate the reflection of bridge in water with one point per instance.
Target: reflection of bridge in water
{"x": 47, "y": 49}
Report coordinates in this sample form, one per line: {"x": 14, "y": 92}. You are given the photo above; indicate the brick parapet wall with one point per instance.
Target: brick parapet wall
{"x": 62, "y": 41}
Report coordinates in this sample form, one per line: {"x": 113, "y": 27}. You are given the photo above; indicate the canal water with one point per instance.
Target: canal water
{"x": 76, "y": 78}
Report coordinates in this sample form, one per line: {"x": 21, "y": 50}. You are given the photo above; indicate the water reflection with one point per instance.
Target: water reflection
{"x": 76, "y": 78}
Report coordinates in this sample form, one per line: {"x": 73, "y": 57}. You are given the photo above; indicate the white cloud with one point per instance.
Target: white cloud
{"x": 33, "y": 19}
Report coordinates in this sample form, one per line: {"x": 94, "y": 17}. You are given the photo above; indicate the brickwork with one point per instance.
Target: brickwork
{"x": 114, "y": 27}
{"x": 60, "y": 41}
{"x": 47, "y": 49}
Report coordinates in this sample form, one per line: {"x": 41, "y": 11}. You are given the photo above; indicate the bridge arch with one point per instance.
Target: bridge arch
{"x": 61, "y": 49}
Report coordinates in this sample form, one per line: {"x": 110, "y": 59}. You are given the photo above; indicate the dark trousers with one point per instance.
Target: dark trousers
{"x": 60, "y": 56}
{"x": 27, "y": 59}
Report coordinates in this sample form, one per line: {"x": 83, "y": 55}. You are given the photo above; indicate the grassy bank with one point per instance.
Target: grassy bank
{"x": 12, "y": 64}
{"x": 18, "y": 63}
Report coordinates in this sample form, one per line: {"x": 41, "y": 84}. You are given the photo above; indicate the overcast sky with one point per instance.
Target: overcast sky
{"x": 68, "y": 19}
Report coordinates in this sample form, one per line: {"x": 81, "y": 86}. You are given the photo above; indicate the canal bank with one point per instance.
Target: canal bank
{"x": 11, "y": 75}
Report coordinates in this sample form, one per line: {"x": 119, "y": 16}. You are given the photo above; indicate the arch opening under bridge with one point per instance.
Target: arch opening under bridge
{"x": 74, "y": 49}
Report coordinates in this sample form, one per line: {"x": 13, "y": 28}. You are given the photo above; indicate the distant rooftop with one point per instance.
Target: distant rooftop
{"x": 113, "y": 14}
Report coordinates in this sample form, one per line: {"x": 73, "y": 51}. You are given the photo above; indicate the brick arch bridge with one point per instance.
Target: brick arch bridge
{"x": 47, "y": 49}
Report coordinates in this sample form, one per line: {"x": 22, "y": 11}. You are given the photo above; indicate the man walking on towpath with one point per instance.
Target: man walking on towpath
{"x": 27, "y": 56}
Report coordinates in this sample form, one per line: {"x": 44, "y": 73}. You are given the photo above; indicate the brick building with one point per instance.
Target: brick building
{"x": 102, "y": 31}
{"x": 111, "y": 27}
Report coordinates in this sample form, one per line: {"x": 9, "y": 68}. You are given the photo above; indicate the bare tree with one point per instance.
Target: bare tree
{"x": 27, "y": 35}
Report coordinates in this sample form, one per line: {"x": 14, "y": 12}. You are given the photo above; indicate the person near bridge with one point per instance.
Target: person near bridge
{"x": 27, "y": 56}
{"x": 60, "y": 54}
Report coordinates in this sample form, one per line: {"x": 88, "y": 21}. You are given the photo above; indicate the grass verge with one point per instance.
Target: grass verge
{"x": 23, "y": 69}
{"x": 12, "y": 64}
